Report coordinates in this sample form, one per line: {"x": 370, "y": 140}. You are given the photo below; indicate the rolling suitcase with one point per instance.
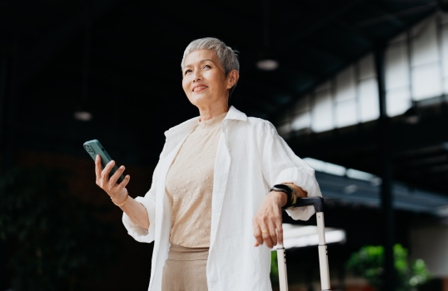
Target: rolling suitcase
{"x": 318, "y": 203}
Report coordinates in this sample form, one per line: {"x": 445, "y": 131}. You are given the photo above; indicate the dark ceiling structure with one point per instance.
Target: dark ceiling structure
{"x": 121, "y": 61}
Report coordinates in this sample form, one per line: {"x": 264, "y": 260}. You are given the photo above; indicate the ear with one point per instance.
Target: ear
{"x": 232, "y": 78}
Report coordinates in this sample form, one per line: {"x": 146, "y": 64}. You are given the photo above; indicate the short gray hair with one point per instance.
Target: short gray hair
{"x": 227, "y": 56}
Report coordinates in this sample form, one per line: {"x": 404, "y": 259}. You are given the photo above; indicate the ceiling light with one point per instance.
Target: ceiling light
{"x": 267, "y": 65}
{"x": 83, "y": 115}
{"x": 267, "y": 59}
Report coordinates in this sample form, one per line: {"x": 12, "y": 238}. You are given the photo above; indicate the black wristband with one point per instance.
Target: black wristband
{"x": 285, "y": 189}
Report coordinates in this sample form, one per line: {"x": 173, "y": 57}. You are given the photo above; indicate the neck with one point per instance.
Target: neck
{"x": 212, "y": 110}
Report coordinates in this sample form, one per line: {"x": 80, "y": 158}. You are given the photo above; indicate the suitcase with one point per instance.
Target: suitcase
{"x": 318, "y": 203}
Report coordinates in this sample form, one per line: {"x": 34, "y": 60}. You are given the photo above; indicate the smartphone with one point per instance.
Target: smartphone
{"x": 93, "y": 148}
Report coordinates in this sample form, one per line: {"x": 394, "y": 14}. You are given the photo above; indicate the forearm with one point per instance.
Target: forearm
{"x": 283, "y": 197}
{"x": 136, "y": 212}
{"x": 299, "y": 191}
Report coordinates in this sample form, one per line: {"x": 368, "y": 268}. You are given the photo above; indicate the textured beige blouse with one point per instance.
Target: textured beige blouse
{"x": 189, "y": 185}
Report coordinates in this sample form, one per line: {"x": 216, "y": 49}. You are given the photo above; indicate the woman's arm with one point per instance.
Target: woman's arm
{"x": 118, "y": 193}
{"x": 299, "y": 191}
{"x": 269, "y": 217}
{"x": 280, "y": 165}
{"x": 136, "y": 212}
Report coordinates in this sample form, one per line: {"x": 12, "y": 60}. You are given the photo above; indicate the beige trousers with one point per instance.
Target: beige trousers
{"x": 185, "y": 269}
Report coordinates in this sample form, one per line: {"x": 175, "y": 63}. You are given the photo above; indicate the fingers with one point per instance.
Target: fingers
{"x": 98, "y": 168}
{"x": 257, "y": 233}
{"x": 267, "y": 225}
{"x": 279, "y": 232}
{"x": 262, "y": 233}
{"x": 124, "y": 183}
{"x": 106, "y": 171}
{"x": 116, "y": 175}
{"x": 278, "y": 224}
{"x": 266, "y": 234}
{"x": 272, "y": 233}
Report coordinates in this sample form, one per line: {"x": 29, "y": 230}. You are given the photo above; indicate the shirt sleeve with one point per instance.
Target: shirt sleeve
{"x": 149, "y": 202}
{"x": 281, "y": 165}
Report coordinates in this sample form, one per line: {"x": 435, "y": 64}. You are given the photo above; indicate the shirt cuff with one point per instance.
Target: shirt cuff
{"x": 137, "y": 232}
{"x": 305, "y": 179}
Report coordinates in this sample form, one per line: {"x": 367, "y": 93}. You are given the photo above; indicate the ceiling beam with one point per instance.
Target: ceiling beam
{"x": 318, "y": 23}
{"x": 352, "y": 29}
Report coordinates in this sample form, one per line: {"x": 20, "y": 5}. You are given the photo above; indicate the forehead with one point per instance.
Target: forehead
{"x": 197, "y": 56}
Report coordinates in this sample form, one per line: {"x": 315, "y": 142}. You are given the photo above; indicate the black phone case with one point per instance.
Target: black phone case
{"x": 93, "y": 147}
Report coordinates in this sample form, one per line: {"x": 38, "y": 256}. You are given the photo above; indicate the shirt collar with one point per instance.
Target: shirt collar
{"x": 190, "y": 124}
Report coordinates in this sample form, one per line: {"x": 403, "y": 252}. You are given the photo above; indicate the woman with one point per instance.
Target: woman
{"x": 210, "y": 210}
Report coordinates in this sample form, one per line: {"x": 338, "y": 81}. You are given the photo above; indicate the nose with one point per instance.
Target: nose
{"x": 197, "y": 77}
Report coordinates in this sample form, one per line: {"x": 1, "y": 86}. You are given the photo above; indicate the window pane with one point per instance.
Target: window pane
{"x": 284, "y": 129}
{"x": 346, "y": 113}
{"x": 445, "y": 50}
{"x": 322, "y": 111}
{"x": 303, "y": 104}
{"x": 368, "y": 100}
{"x": 302, "y": 120}
{"x": 424, "y": 45}
{"x": 398, "y": 101}
{"x": 443, "y": 17}
{"x": 366, "y": 67}
{"x": 400, "y": 38}
{"x": 445, "y": 83}
{"x": 324, "y": 86}
{"x": 426, "y": 81}
{"x": 397, "y": 67}
{"x": 345, "y": 85}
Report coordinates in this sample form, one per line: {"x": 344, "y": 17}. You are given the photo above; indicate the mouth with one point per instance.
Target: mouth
{"x": 199, "y": 88}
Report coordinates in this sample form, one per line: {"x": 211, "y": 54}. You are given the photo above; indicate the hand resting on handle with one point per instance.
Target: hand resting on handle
{"x": 268, "y": 218}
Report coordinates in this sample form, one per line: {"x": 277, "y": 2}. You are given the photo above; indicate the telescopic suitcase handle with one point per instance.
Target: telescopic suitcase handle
{"x": 318, "y": 203}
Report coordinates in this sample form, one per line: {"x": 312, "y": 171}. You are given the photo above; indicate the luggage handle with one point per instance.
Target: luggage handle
{"x": 318, "y": 203}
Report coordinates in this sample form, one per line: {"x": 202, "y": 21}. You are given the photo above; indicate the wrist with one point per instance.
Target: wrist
{"x": 280, "y": 197}
{"x": 120, "y": 198}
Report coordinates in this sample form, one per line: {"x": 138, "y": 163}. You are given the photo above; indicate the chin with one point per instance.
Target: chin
{"x": 200, "y": 99}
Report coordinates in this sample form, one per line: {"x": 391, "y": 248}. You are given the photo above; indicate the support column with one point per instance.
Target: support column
{"x": 385, "y": 167}
{"x": 3, "y": 159}
{"x": 8, "y": 135}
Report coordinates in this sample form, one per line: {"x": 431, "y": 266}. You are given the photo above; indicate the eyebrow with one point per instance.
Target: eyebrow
{"x": 204, "y": 60}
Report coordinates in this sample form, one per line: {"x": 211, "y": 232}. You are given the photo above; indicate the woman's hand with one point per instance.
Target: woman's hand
{"x": 269, "y": 218}
{"x": 116, "y": 191}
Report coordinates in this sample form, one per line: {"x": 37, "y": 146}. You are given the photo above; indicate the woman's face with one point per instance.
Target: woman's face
{"x": 204, "y": 80}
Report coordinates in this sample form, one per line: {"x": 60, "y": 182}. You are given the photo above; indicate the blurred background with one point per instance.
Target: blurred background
{"x": 359, "y": 89}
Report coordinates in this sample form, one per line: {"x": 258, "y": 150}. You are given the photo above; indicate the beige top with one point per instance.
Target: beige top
{"x": 189, "y": 185}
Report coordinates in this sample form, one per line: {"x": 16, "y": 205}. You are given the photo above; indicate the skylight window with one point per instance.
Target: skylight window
{"x": 339, "y": 170}
{"x": 325, "y": 167}
{"x": 355, "y": 174}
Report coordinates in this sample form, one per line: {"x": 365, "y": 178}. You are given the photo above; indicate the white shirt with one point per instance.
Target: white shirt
{"x": 250, "y": 159}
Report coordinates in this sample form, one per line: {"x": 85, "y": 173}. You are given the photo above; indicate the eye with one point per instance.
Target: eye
{"x": 187, "y": 71}
{"x": 207, "y": 66}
